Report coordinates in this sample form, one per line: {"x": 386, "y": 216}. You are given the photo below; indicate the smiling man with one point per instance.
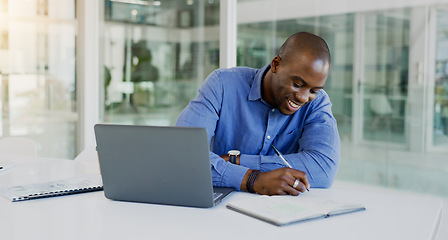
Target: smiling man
{"x": 282, "y": 104}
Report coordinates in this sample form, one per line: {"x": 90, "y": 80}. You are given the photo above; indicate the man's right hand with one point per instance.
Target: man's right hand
{"x": 280, "y": 182}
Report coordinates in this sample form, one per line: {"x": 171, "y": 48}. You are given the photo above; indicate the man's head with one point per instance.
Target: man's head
{"x": 297, "y": 73}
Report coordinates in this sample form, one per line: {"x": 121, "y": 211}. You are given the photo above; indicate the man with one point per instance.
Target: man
{"x": 281, "y": 105}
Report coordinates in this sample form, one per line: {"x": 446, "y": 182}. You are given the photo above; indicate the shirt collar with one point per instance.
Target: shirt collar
{"x": 255, "y": 90}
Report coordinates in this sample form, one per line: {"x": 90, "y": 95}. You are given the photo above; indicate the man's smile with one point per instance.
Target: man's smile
{"x": 293, "y": 104}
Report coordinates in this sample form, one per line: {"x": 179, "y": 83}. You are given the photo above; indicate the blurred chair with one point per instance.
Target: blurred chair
{"x": 18, "y": 145}
{"x": 89, "y": 154}
{"x": 380, "y": 106}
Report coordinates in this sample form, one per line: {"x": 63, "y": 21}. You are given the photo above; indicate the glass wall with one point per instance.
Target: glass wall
{"x": 385, "y": 66}
{"x": 156, "y": 56}
{"x": 37, "y": 73}
{"x": 370, "y": 85}
{"x": 384, "y": 81}
{"x": 440, "y": 130}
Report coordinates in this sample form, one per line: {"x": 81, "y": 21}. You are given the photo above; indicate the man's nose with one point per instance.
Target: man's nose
{"x": 302, "y": 96}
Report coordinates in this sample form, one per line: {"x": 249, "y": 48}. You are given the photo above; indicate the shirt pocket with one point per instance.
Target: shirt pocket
{"x": 288, "y": 142}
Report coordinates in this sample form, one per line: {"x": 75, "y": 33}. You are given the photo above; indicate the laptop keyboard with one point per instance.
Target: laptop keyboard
{"x": 216, "y": 195}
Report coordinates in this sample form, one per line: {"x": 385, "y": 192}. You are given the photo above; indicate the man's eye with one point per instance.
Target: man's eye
{"x": 297, "y": 85}
{"x": 314, "y": 91}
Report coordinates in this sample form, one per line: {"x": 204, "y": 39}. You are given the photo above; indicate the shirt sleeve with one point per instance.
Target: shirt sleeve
{"x": 318, "y": 150}
{"x": 203, "y": 111}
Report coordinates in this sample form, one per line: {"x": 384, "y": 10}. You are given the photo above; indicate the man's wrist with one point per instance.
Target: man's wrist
{"x": 251, "y": 181}
{"x": 234, "y": 156}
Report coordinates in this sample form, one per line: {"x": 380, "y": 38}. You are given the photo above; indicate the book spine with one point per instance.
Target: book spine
{"x": 57, "y": 193}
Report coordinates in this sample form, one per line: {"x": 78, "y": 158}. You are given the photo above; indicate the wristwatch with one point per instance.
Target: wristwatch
{"x": 233, "y": 154}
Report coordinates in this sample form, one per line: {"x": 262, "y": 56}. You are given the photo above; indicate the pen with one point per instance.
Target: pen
{"x": 284, "y": 160}
{"x": 281, "y": 156}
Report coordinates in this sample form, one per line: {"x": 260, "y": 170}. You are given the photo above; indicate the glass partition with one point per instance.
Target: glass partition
{"x": 370, "y": 85}
{"x": 385, "y": 76}
{"x": 156, "y": 56}
{"x": 440, "y": 130}
{"x": 37, "y": 67}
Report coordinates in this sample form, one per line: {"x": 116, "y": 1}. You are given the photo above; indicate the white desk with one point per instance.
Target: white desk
{"x": 389, "y": 214}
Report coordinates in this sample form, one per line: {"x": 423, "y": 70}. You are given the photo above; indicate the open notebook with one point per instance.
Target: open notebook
{"x": 282, "y": 210}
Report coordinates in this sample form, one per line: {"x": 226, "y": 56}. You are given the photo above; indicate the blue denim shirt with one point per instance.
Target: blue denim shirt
{"x": 230, "y": 106}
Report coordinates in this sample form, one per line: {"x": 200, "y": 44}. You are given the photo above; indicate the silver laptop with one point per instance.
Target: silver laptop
{"x": 162, "y": 165}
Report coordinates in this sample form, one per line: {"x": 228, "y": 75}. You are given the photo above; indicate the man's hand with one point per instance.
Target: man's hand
{"x": 279, "y": 182}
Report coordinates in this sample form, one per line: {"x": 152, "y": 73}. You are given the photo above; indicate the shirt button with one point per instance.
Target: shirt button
{"x": 269, "y": 137}
{"x": 273, "y": 110}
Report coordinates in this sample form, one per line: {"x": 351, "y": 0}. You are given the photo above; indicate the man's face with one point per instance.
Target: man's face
{"x": 296, "y": 83}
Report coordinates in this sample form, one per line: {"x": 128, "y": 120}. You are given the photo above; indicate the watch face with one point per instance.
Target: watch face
{"x": 234, "y": 152}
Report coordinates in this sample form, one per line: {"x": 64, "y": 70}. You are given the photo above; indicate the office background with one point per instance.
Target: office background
{"x": 68, "y": 64}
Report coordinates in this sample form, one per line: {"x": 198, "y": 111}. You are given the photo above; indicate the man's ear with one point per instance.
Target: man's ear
{"x": 275, "y": 63}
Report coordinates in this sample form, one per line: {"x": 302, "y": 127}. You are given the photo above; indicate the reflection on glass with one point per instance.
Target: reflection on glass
{"x": 37, "y": 69}
{"x": 259, "y": 42}
{"x": 156, "y": 56}
{"x": 385, "y": 80}
{"x": 440, "y": 135}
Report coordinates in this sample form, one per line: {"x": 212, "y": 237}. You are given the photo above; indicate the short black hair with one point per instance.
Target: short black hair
{"x": 305, "y": 42}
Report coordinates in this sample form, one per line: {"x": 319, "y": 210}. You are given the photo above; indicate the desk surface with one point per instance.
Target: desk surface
{"x": 389, "y": 214}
